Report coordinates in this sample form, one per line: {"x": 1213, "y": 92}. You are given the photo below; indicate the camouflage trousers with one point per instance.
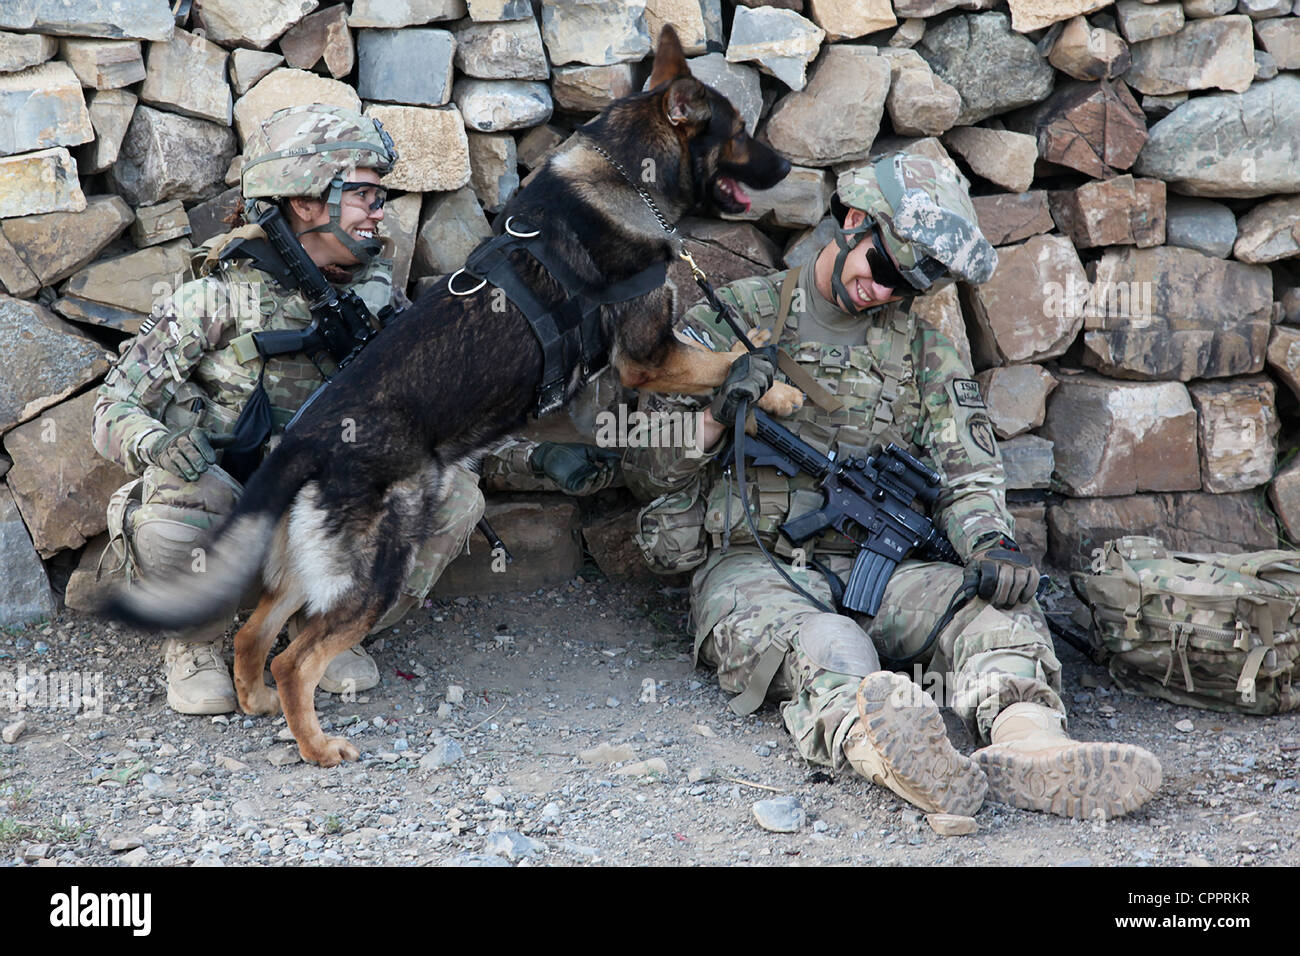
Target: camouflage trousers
{"x": 768, "y": 642}
{"x": 158, "y": 519}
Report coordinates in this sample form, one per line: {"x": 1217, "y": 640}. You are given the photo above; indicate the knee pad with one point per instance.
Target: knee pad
{"x": 835, "y": 643}
{"x": 164, "y": 538}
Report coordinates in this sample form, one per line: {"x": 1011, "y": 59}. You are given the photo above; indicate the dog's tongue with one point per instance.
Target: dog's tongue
{"x": 738, "y": 194}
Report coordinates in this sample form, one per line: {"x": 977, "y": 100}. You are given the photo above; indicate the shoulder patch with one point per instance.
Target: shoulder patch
{"x": 968, "y": 394}
{"x": 981, "y": 433}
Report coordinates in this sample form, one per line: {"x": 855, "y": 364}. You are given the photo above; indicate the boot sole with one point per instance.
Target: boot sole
{"x": 902, "y": 722}
{"x": 204, "y": 708}
{"x": 1074, "y": 781}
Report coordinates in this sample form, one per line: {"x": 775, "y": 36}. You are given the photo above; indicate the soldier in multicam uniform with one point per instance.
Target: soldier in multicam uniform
{"x": 194, "y": 367}
{"x": 875, "y": 374}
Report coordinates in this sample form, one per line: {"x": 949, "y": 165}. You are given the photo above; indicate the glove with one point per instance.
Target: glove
{"x": 183, "y": 452}
{"x": 1005, "y": 576}
{"x": 749, "y": 378}
{"x": 571, "y": 465}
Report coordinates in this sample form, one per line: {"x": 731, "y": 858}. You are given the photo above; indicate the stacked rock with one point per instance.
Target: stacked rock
{"x": 1136, "y": 164}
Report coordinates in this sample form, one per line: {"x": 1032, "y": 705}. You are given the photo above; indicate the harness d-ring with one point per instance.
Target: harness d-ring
{"x": 481, "y": 284}
{"x": 521, "y": 235}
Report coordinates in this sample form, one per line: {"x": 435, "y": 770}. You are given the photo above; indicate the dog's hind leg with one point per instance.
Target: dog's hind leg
{"x": 298, "y": 669}
{"x": 253, "y": 643}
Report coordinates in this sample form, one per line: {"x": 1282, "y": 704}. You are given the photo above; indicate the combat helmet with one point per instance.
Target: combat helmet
{"x": 923, "y": 214}
{"x": 314, "y": 151}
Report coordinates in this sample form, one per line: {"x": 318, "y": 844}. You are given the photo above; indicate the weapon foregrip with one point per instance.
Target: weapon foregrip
{"x": 287, "y": 341}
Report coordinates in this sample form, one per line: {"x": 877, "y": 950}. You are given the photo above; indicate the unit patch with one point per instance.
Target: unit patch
{"x": 981, "y": 432}
{"x": 967, "y": 391}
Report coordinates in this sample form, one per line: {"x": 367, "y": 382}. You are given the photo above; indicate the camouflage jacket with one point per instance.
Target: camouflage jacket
{"x": 901, "y": 380}
{"x": 193, "y": 362}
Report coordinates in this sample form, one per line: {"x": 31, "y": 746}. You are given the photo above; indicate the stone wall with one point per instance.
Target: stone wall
{"x": 1137, "y": 164}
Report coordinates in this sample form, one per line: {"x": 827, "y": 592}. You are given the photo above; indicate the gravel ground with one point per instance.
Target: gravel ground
{"x": 564, "y": 727}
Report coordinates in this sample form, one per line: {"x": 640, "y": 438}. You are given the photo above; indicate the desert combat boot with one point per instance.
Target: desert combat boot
{"x": 198, "y": 681}
{"x": 1033, "y": 765}
{"x": 900, "y": 742}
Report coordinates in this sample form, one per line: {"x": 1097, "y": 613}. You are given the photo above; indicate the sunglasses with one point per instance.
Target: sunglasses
{"x": 883, "y": 269}
{"x": 373, "y": 197}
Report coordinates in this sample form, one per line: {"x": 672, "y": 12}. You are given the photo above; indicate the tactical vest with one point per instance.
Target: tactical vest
{"x": 228, "y": 374}
{"x": 875, "y": 382}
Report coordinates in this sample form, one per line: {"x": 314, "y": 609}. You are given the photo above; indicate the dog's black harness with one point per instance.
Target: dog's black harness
{"x": 570, "y": 335}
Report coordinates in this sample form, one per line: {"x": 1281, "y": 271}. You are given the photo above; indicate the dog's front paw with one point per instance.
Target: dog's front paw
{"x": 781, "y": 400}
{"x": 329, "y": 752}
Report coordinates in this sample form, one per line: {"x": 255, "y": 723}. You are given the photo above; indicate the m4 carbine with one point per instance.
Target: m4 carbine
{"x": 341, "y": 324}
{"x": 869, "y": 500}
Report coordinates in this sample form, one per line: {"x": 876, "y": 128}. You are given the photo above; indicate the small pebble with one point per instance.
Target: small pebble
{"x": 1185, "y": 726}
{"x": 13, "y": 731}
{"x": 512, "y": 845}
{"x": 780, "y": 815}
{"x": 455, "y": 694}
{"x": 445, "y": 751}
{"x": 283, "y": 756}
{"x": 36, "y": 851}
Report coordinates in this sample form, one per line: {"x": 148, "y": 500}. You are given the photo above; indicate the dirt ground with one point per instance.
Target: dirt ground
{"x": 561, "y": 727}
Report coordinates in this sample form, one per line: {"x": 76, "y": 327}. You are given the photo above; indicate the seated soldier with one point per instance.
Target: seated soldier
{"x": 874, "y": 373}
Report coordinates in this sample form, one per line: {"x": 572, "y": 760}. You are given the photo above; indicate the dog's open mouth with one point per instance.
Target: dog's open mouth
{"x": 729, "y": 196}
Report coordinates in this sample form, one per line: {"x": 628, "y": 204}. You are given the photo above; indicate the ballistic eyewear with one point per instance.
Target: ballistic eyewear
{"x": 373, "y": 197}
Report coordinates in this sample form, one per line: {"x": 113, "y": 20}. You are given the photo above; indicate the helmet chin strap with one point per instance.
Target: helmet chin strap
{"x": 847, "y": 240}
{"x": 365, "y": 249}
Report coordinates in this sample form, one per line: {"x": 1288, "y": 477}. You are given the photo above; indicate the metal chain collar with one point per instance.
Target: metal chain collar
{"x": 640, "y": 191}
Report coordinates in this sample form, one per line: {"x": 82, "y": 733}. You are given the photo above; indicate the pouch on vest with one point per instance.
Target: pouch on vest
{"x": 252, "y": 429}
{"x": 1218, "y": 631}
{"x": 670, "y": 531}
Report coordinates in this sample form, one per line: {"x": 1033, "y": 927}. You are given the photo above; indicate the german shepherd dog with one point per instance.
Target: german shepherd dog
{"x": 333, "y": 526}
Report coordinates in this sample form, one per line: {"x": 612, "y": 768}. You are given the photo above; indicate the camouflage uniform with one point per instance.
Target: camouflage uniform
{"x": 901, "y": 381}
{"x": 194, "y": 363}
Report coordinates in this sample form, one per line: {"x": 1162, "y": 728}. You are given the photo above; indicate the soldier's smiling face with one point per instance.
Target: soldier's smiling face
{"x": 864, "y": 288}
{"x": 356, "y": 218}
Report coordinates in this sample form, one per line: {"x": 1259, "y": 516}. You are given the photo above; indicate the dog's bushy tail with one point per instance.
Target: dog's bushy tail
{"x": 223, "y": 569}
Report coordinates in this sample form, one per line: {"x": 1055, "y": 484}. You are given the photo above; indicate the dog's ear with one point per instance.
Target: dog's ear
{"x": 670, "y": 61}
{"x": 685, "y": 101}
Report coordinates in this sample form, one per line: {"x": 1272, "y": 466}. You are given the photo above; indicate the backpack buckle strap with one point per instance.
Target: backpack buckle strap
{"x": 1183, "y": 633}
{"x": 1131, "y": 616}
{"x": 1249, "y": 671}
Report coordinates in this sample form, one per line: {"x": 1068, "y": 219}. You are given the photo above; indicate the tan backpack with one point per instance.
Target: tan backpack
{"x": 1218, "y": 631}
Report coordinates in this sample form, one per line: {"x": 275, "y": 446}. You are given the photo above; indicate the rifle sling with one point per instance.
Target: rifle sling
{"x": 796, "y": 373}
